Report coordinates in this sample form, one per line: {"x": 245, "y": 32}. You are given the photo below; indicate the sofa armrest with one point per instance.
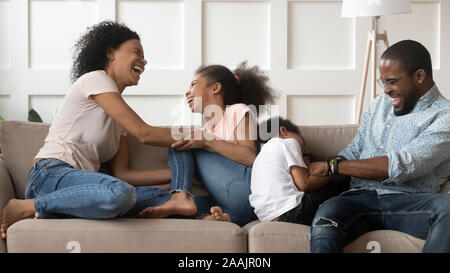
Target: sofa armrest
{"x": 445, "y": 188}
{"x": 6, "y": 193}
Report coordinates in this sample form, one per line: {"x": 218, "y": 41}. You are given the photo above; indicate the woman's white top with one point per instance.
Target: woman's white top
{"x": 82, "y": 133}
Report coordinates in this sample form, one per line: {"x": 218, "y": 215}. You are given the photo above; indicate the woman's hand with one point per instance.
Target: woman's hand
{"x": 319, "y": 168}
{"x": 189, "y": 144}
{"x": 197, "y": 140}
{"x": 243, "y": 152}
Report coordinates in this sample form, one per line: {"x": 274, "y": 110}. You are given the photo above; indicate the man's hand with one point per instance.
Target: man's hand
{"x": 319, "y": 168}
{"x": 376, "y": 168}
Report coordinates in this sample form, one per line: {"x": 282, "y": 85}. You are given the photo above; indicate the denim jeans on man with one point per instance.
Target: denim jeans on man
{"x": 418, "y": 147}
{"x": 227, "y": 182}
{"x": 342, "y": 219}
{"x": 59, "y": 190}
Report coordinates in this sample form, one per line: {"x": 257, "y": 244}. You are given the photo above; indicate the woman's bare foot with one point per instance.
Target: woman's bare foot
{"x": 217, "y": 215}
{"x": 180, "y": 203}
{"x": 16, "y": 210}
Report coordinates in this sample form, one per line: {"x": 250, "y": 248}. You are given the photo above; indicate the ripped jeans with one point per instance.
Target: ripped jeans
{"x": 342, "y": 219}
{"x": 227, "y": 182}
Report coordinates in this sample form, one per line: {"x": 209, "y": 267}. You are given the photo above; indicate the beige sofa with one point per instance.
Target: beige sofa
{"x": 20, "y": 141}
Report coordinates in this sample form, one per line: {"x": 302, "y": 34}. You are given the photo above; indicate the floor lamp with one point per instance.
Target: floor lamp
{"x": 374, "y": 9}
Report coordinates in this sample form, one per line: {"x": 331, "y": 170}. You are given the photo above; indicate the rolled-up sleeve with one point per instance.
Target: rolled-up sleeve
{"x": 422, "y": 155}
{"x": 353, "y": 150}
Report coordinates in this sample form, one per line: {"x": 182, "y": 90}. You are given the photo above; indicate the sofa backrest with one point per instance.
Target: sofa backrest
{"x": 327, "y": 141}
{"x": 20, "y": 142}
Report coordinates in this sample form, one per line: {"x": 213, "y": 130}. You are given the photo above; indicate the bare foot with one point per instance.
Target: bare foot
{"x": 180, "y": 203}
{"x": 16, "y": 210}
{"x": 217, "y": 215}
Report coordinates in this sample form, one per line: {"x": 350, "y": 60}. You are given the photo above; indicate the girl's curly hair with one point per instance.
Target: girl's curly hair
{"x": 90, "y": 51}
{"x": 243, "y": 85}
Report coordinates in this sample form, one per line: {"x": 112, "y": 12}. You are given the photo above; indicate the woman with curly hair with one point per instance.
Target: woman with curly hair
{"x": 221, "y": 160}
{"x": 90, "y": 129}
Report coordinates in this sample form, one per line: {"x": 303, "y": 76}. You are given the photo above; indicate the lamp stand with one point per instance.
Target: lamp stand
{"x": 371, "y": 50}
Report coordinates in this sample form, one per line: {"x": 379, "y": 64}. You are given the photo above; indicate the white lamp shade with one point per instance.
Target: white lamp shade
{"x": 360, "y": 8}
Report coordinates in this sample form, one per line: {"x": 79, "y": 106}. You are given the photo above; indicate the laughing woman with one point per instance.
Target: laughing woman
{"x": 90, "y": 129}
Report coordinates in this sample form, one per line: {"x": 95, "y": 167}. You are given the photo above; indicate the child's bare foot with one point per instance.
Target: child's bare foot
{"x": 180, "y": 203}
{"x": 16, "y": 210}
{"x": 217, "y": 215}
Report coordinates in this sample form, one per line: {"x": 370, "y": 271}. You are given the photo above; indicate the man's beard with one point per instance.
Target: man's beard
{"x": 408, "y": 105}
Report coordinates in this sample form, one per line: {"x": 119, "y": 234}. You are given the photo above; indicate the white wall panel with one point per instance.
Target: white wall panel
{"x": 234, "y": 31}
{"x": 160, "y": 25}
{"x": 319, "y": 38}
{"x": 4, "y": 107}
{"x": 319, "y": 110}
{"x": 162, "y": 110}
{"x": 45, "y": 105}
{"x": 54, "y": 28}
{"x": 422, "y": 25}
{"x": 5, "y": 35}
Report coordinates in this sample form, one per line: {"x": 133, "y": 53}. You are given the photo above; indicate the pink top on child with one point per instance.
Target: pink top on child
{"x": 225, "y": 128}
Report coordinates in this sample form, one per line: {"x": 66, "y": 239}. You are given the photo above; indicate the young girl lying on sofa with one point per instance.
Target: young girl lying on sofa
{"x": 282, "y": 190}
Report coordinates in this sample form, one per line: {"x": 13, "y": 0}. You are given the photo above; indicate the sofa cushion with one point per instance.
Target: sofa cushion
{"x": 126, "y": 235}
{"x": 385, "y": 241}
{"x": 146, "y": 157}
{"x": 278, "y": 237}
{"x": 20, "y": 142}
{"x": 445, "y": 188}
{"x": 6, "y": 193}
{"x": 327, "y": 141}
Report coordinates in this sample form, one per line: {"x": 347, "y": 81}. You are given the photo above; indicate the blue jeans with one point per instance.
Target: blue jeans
{"x": 227, "y": 182}
{"x": 59, "y": 190}
{"x": 341, "y": 219}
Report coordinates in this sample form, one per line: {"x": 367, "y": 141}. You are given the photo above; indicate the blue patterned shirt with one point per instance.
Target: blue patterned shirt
{"x": 417, "y": 144}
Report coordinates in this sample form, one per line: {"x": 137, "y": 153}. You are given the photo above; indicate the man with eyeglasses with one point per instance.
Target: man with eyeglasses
{"x": 398, "y": 160}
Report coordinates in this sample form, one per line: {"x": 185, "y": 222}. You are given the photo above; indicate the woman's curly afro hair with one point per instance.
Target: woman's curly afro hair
{"x": 90, "y": 51}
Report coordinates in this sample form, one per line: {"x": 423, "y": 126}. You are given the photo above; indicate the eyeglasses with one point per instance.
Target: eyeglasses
{"x": 389, "y": 83}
